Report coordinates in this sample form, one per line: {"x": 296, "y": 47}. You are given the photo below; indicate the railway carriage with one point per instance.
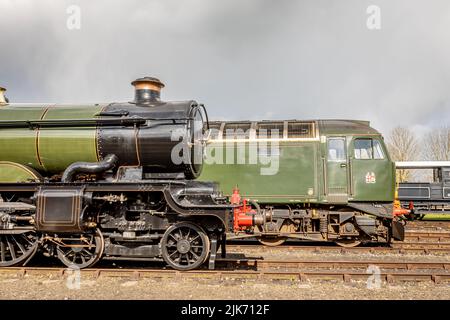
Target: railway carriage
{"x": 319, "y": 180}
{"x": 427, "y": 197}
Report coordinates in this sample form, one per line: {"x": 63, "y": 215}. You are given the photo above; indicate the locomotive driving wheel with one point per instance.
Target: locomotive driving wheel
{"x": 81, "y": 251}
{"x": 16, "y": 249}
{"x": 185, "y": 246}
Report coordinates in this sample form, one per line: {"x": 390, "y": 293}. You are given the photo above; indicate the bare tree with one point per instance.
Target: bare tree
{"x": 437, "y": 144}
{"x": 403, "y": 146}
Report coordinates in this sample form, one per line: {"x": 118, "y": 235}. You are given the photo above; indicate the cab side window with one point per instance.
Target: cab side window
{"x": 366, "y": 149}
{"x": 336, "y": 149}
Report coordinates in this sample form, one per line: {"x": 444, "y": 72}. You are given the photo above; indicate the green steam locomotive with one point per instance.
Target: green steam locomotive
{"x": 108, "y": 181}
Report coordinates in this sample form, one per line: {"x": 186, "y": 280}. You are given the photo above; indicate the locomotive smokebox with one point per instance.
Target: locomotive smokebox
{"x": 3, "y": 99}
{"x": 147, "y": 90}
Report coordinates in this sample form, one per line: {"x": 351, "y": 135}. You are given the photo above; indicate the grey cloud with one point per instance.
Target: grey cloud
{"x": 243, "y": 59}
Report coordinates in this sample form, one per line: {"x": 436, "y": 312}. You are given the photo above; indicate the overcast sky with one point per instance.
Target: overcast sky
{"x": 252, "y": 59}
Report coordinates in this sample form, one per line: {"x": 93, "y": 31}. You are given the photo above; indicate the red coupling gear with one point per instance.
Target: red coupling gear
{"x": 244, "y": 215}
{"x": 400, "y": 212}
{"x": 235, "y": 197}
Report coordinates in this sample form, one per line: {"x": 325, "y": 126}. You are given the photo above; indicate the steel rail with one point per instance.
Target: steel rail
{"x": 400, "y": 248}
{"x": 388, "y": 276}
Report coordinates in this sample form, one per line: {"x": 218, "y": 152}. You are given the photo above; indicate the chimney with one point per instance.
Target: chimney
{"x": 3, "y": 99}
{"x": 147, "y": 90}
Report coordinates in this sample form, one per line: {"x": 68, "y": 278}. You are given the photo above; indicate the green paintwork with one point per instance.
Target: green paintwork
{"x": 297, "y": 185}
{"x": 306, "y": 175}
{"x": 384, "y": 171}
{"x": 57, "y": 148}
{"x": 19, "y": 145}
{"x": 13, "y": 172}
{"x": 337, "y": 174}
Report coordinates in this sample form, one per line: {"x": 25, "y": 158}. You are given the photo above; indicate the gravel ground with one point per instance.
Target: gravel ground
{"x": 41, "y": 287}
{"x": 53, "y": 287}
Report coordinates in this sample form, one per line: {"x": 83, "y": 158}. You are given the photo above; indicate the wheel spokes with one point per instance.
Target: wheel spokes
{"x": 26, "y": 239}
{"x": 82, "y": 251}
{"x": 21, "y": 248}
{"x": 12, "y": 251}
{"x": 2, "y": 249}
{"x": 16, "y": 248}
{"x": 190, "y": 250}
{"x": 192, "y": 240}
{"x": 195, "y": 255}
{"x": 174, "y": 238}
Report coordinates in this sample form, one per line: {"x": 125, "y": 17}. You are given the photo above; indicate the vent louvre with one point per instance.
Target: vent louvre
{"x": 236, "y": 130}
{"x": 270, "y": 130}
{"x": 299, "y": 129}
{"x": 214, "y": 128}
{"x": 263, "y": 130}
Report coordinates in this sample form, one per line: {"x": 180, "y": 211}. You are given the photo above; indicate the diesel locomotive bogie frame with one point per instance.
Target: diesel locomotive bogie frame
{"x": 344, "y": 225}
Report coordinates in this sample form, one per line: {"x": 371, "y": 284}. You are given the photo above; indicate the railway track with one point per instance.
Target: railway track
{"x": 298, "y": 270}
{"x": 406, "y": 248}
{"x": 348, "y": 265}
{"x": 419, "y": 235}
{"x": 431, "y": 225}
{"x": 240, "y": 267}
{"x": 415, "y": 242}
{"x": 419, "y": 241}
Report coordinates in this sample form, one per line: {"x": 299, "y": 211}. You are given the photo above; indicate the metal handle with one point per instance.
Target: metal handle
{"x": 325, "y": 182}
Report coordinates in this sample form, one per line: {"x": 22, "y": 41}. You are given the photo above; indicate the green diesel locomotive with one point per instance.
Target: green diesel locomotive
{"x": 320, "y": 180}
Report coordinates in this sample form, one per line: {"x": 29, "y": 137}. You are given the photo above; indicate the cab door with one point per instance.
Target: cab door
{"x": 372, "y": 172}
{"x": 336, "y": 170}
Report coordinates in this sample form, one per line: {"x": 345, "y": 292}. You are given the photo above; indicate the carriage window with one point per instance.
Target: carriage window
{"x": 368, "y": 149}
{"x": 336, "y": 149}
